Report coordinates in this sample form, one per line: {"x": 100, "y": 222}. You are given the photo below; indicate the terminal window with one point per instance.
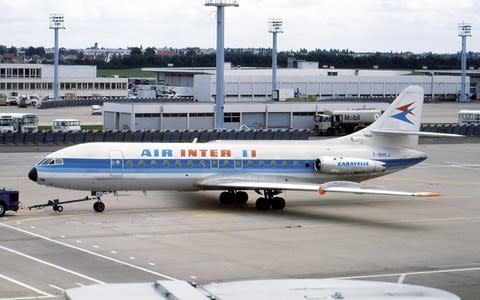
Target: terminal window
{"x": 231, "y": 118}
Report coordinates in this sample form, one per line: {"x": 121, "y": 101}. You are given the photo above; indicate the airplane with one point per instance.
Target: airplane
{"x": 266, "y": 167}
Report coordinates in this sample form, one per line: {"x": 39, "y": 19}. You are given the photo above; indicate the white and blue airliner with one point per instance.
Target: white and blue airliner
{"x": 267, "y": 167}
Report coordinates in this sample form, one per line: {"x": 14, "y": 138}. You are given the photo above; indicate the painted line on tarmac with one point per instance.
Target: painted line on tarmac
{"x": 410, "y": 273}
{"x": 57, "y": 288}
{"x": 51, "y": 264}
{"x": 88, "y": 252}
{"x": 44, "y": 294}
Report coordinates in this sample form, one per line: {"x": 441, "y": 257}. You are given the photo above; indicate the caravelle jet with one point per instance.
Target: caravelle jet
{"x": 267, "y": 167}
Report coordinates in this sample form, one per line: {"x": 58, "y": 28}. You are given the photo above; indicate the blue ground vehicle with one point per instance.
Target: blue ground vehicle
{"x": 8, "y": 200}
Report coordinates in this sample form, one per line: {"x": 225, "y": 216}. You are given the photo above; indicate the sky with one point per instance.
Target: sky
{"x": 358, "y": 25}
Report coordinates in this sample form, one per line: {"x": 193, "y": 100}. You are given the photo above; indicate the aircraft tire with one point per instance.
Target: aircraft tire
{"x": 241, "y": 197}
{"x": 2, "y": 209}
{"x": 98, "y": 206}
{"x": 227, "y": 197}
{"x": 262, "y": 204}
{"x": 278, "y": 203}
{"x": 59, "y": 208}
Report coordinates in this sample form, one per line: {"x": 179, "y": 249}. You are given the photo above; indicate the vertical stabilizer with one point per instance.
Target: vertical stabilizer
{"x": 405, "y": 112}
{"x": 404, "y": 115}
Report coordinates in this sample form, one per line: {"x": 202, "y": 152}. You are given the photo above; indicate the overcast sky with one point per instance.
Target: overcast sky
{"x": 358, "y": 25}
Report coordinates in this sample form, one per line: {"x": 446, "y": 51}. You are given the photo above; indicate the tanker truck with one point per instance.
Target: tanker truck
{"x": 339, "y": 122}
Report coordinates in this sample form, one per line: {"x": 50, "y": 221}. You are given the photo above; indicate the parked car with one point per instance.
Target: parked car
{"x": 96, "y": 110}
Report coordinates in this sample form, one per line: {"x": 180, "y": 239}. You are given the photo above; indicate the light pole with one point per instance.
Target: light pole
{"x": 56, "y": 23}
{"x": 220, "y": 58}
{"x": 464, "y": 31}
{"x": 274, "y": 27}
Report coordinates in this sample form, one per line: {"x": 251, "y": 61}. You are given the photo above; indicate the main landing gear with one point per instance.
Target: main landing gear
{"x": 267, "y": 201}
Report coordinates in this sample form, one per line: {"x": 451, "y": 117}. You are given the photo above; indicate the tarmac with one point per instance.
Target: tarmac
{"x": 140, "y": 237}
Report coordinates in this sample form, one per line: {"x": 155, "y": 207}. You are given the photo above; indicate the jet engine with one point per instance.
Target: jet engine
{"x": 348, "y": 165}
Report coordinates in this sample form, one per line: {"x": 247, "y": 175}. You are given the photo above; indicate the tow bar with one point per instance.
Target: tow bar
{"x": 56, "y": 204}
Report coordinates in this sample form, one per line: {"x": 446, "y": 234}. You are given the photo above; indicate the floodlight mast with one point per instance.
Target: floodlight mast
{"x": 56, "y": 23}
{"x": 274, "y": 27}
{"x": 220, "y": 58}
{"x": 464, "y": 31}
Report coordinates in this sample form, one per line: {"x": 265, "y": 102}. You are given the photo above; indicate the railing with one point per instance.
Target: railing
{"x": 187, "y": 136}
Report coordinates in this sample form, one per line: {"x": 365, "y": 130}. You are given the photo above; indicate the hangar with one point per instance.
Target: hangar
{"x": 307, "y": 81}
{"x": 248, "y": 96}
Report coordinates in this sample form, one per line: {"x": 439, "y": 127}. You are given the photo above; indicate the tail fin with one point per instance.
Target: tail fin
{"x": 405, "y": 112}
{"x": 398, "y": 125}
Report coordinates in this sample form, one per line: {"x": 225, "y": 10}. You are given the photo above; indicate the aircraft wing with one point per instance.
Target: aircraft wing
{"x": 249, "y": 182}
{"x": 276, "y": 183}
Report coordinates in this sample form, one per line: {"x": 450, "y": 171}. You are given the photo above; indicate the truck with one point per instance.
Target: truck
{"x": 343, "y": 121}
{"x": 3, "y": 99}
{"x": 8, "y": 200}
{"x": 6, "y": 123}
{"x": 66, "y": 125}
{"x": 22, "y": 101}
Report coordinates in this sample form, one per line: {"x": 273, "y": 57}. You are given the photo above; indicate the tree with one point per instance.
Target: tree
{"x": 150, "y": 51}
{"x": 135, "y": 51}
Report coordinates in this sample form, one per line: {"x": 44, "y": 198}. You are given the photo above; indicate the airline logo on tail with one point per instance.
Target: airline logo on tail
{"x": 405, "y": 110}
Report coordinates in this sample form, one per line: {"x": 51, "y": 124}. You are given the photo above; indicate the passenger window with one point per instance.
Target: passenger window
{"x": 226, "y": 163}
{"x": 273, "y": 164}
{"x": 153, "y": 163}
{"x": 250, "y": 164}
{"x": 214, "y": 163}
{"x": 129, "y": 164}
{"x": 166, "y": 164}
{"x": 238, "y": 164}
{"x": 284, "y": 164}
{"x": 261, "y": 164}
{"x": 178, "y": 163}
{"x": 141, "y": 163}
{"x": 190, "y": 163}
{"x": 203, "y": 164}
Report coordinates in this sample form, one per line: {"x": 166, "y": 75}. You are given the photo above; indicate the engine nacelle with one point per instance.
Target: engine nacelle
{"x": 348, "y": 165}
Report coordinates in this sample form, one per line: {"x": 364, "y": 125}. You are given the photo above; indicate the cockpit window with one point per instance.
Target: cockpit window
{"x": 51, "y": 162}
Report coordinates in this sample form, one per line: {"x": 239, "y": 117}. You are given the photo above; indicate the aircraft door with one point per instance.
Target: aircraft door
{"x": 116, "y": 163}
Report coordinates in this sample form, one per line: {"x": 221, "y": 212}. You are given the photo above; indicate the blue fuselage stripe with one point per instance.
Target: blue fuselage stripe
{"x": 74, "y": 165}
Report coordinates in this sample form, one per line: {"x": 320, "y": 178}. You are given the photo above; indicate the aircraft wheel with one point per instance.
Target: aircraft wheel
{"x": 227, "y": 197}
{"x": 278, "y": 203}
{"x": 98, "y": 206}
{"x": 262, "y": 203}
{"x": 2, "y": 209}
{"x": 58, "y": 208}
{"x": 330, "y": 131}
{"x": 241, "y": 197}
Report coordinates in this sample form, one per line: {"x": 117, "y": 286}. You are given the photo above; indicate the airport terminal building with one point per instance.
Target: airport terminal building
{"x": 75, "y": 81}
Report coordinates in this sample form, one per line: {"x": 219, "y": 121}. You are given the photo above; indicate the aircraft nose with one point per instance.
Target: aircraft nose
{"x": 33, "y": 174}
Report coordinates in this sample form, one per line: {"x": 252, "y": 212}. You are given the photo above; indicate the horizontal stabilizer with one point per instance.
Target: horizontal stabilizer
{"x": 415, "y": 133}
